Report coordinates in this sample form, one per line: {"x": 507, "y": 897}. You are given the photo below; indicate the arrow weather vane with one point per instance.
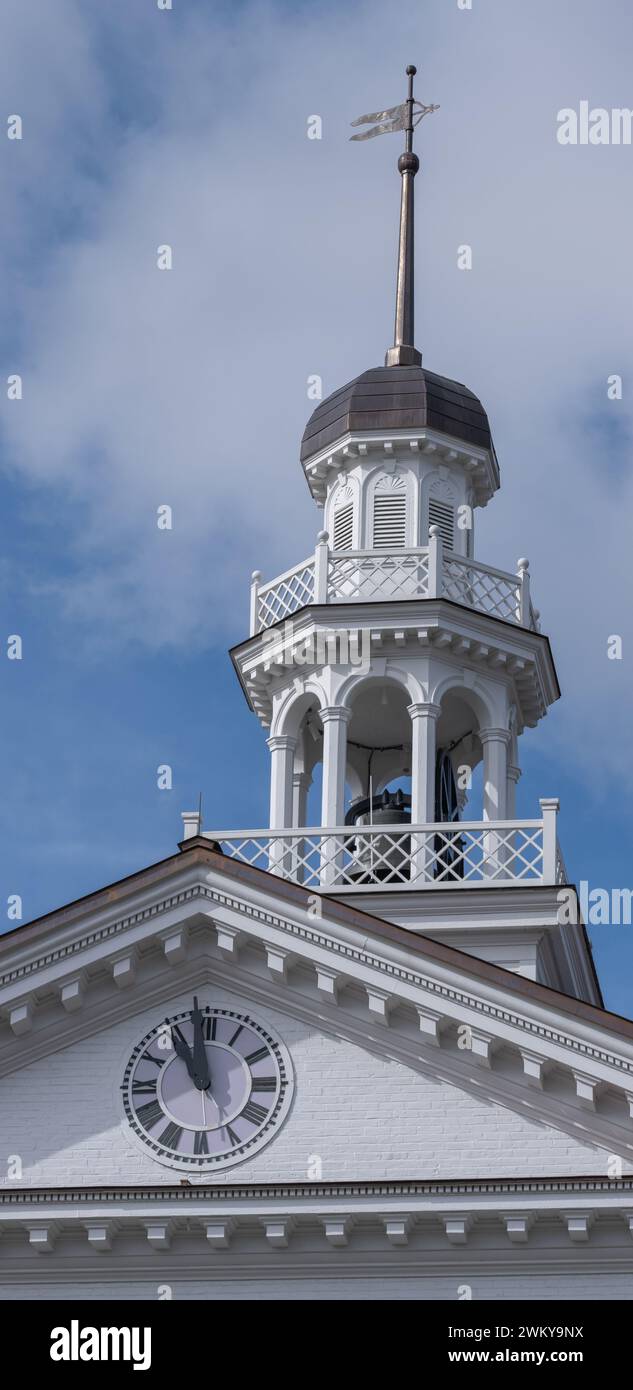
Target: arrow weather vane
{"x": 402, "y": 117}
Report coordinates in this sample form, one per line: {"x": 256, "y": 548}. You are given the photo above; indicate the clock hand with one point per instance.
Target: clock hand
{"x": 205, "y": 1096}
{"x": 181, "y": 1049}
{"x": 201, "y": 1066}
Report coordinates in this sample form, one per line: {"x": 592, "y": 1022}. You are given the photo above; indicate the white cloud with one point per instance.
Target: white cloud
{"x": 189, "y": 387}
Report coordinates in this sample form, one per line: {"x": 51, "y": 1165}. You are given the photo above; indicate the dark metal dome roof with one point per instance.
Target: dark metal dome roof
{"x": 408, "y": 398}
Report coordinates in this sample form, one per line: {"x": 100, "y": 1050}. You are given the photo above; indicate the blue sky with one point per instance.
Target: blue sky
{"x": 188, "y": 127}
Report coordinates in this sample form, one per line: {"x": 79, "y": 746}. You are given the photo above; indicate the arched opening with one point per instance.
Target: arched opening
{"x": 378, "y": 742}
{"x": 458, "y": 758}
{"x": 379, "y": 767}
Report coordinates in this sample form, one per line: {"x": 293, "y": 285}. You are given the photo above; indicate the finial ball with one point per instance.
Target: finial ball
{"x": 408, "y": 163}
{"x": 411, "y": 71}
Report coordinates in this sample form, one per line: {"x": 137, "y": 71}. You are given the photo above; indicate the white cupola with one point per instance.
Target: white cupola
{"x": 393, "y": 663}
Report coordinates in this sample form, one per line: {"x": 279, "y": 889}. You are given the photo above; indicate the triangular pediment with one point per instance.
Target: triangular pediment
{"x": 201, "y": 923}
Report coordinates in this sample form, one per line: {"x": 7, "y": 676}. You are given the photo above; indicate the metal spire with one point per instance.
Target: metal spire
{"x": 403, "y": 117}
{"x": 404, "y": 353}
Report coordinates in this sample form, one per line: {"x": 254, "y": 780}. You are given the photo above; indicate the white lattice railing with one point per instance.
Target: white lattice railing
{"x": 285, "y": 595}
{"x": 374, "y": 574}
{"x": 481, "y": 587}
{"x": 352, "y": 576}
{"x": 467, "y": 854}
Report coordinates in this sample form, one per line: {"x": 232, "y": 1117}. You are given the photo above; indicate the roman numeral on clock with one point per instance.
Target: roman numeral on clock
{"x": 143, "y": 1088}
{"x": 236, "y": 1035}
{"x": 171, "y": 1136}
{"x": 149, "y": 1115}
{"x": 233, "y": 1139}
{"x": 208, "y": 1028}
{"x": 200, "y": 1142}
{"x": 256, "y": 1056}
{"x": 264, "y": 1083}
{"x": 253, "y": 1112}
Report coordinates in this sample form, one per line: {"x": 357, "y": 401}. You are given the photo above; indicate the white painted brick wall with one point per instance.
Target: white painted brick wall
{"x": 365, "y": 1117}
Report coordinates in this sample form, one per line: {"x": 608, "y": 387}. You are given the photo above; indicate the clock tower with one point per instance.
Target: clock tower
{"x": 395, "y": 671}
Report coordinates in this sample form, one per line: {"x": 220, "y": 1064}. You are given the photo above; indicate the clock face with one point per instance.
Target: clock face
{"x": 206, "y": 1088}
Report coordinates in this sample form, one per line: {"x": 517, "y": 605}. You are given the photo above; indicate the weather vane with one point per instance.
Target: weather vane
{"x": 405, "y": 117}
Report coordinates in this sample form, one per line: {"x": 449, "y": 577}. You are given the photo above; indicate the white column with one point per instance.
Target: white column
{"x": 335, "y": 719}
{"x": 495, "y": 745}
{"x": 423, "y": 754}
{"x": 424, "y": 719}
{"x": 497, "y": 849}
{"x": 282, "y": 759}
{"x": 514, "y": 774}
{"x": 301, "y": 783}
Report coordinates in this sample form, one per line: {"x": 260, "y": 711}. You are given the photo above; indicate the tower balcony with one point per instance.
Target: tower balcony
{"x": 366, "y": 859}
{"x": 357, "y": 576}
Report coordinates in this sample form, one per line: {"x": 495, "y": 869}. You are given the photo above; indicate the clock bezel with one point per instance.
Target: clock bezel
{"x": 206, "y": 1165}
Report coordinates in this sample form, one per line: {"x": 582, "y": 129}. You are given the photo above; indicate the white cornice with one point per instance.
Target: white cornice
{"x": 354, "y": 1228}
{"x": 352, "y": 447}
{"x": 482, "y": 643}
{"x": 380, "y": 1190}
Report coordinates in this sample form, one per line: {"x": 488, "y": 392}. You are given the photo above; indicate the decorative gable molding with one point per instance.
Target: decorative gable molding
{"x": 336, "y": 973}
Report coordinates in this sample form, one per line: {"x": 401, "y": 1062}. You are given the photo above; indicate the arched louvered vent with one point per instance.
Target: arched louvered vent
{"x": 390, "y": 520}
{"x": 344, "y": 527}
{"x": 441, "y": 514}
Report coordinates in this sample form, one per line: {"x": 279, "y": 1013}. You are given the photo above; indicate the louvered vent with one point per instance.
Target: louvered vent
{"x": 390, "y": 520}
{"x": 344, "y": 527}
{"x": 441, "y": 514}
